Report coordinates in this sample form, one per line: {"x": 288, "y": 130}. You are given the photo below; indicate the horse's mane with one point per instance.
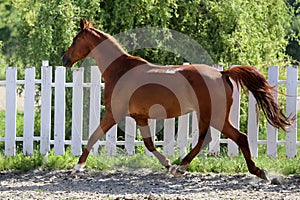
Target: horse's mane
{"x": 107, "y": 37}
{"x": 113, "y": 41}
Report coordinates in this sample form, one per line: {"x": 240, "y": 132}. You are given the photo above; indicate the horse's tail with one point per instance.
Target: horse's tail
{"x": 255, "y": 81}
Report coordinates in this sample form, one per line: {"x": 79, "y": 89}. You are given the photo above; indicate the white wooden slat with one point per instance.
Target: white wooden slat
{"x": 291, "y": 110}
{"x": 29, "y": 111}
{"x": 46, "y": 91}
{"x": 111, "y": 141}
{"x": 130, "y": 135}
{"x": 77, "y": 111}
{"x": 59, "y": 112}
{"x": 95, "y": 104}
{"x": 195, "y": 129}
{"x": 253, "y": 127}
{"x": 152, "y": 124}
{"x": 214, "y": 145}
{"x": 271, "y": 131}
{"x": 11, "y": 111}
{"x": 169, "y": 136}
{"x": 235, "y": 118}
{"x": 183, "y": 131}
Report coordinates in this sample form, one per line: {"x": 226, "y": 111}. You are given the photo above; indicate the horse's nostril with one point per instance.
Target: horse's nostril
{"x": 66, "y": 61}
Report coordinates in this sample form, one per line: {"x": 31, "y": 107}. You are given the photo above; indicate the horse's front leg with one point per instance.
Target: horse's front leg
{"x": 146, "y": 134}
{"x": 106, "y": 123}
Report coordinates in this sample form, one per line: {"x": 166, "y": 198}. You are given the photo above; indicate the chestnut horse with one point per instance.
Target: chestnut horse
{"x": 137, "y": 88}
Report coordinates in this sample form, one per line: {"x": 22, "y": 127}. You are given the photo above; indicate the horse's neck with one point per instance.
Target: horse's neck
{"x": 106, "y": 53}
{"x": 112, "y": 59}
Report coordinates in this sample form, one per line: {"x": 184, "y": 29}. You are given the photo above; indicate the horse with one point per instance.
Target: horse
{"x": 136, "y": 88}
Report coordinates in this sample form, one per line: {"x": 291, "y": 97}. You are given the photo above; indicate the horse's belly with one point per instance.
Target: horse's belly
{"x": 158, "y": 102}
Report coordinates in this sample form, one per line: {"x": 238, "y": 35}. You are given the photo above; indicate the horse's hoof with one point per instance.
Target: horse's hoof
{"x": 264, "y": 175}
{"x": 78, "y": 168}
{"x": 180, "y": 171}
{"x": 177, "y": 171}
{"x": 172, "y": 169}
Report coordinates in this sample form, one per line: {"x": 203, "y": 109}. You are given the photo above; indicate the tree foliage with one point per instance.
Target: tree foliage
{"x": 232, "y": 32}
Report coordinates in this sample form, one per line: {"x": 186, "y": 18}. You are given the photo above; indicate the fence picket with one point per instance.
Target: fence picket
{"x": 95, "y": 103}
{"x": 214, "y": 145}
{"x": 271, "y": 131}
{"x": 195, "y": 129}
{"x": 29, "y": 111}
{"x": 111, "y": 141}
{"x": 130, "y": 135}
{"x": 253, "y": 127}
{"x": 169, "y": 136}
{"x": 59, "y": 112}
{"x": 11, "y": 111}
{"x": 235, "y": 118}
{"x": 46, "y": 91}
{"x": 291, "y": 110}
{"x": 152, "y": 124}
{"x": 77, "y": 111}
{"x": 182, "y": 136}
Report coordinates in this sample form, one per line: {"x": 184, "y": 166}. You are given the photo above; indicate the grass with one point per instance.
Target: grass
{"x": 202, "y": 163}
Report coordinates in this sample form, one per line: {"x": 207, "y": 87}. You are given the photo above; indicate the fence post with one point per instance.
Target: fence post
{"x": 152, "y": 124}
{"x": 291, "y": 110}
{"x": 195, "y": 129}
{"x": 29, "y": 111}
{"x": 130, "y": 134}
{"x": 95, "y": 103}
{"x": 77, "y": 111}
{"x": 272, "y": 132}
{"x": 253, "y": 117}
{"x": 235, "y": 118}
{"x": 183, "y": 132}
{"x": 46, "y": 91}
{"x": 111, "y": 141}
{"x": 169, "y": 136}
{"x": 59, "y": 113}
{"x": 11, "y": 111}
{"x": 214, "y": 145}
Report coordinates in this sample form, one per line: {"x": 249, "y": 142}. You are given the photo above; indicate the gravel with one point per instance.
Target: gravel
{"x": 126, "y": 183}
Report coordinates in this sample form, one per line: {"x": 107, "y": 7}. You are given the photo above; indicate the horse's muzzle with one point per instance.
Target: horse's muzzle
{"x": 66, "y": 61}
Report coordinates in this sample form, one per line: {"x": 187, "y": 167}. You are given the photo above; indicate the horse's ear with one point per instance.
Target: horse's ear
{"x": 84, "y": 23}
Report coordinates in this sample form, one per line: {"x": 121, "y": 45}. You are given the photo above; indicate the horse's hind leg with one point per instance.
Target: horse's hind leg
{"x": 241, "y": 140}
{"x": 106, "y": 123}
{"x": 203, "y": 139}
{"x": 146, "y": 134}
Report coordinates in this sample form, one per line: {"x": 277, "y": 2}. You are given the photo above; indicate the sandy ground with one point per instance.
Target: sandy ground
{"x": 126, "y": 183}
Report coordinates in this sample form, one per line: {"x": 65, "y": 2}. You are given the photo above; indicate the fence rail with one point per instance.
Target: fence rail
{"x": 187, "y": 124}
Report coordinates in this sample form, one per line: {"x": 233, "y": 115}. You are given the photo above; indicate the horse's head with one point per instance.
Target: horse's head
{"x": 80, "y": 48}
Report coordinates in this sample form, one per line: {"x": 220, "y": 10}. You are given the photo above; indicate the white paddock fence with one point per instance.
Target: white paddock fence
{"x": 187, "y": 124}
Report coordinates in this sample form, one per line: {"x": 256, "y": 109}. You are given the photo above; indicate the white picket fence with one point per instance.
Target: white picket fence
{"x": 187, "y": 124}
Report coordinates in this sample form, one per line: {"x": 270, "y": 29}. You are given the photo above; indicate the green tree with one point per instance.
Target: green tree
{"x": 293, "y": 47}
{"x": 232, "y": 32}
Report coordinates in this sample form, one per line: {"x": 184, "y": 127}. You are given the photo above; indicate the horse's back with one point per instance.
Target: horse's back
{"x": 170, "y": 91}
